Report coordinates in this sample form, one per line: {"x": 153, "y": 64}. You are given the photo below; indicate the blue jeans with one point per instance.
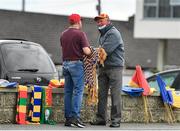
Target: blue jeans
{"x": 73, "y": 72}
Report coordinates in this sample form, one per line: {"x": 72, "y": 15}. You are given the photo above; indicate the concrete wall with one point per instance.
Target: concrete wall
{"x": 132, "y": 107}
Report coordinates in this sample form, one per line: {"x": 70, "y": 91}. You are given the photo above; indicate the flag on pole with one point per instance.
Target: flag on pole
{"x": 139, "y": 80}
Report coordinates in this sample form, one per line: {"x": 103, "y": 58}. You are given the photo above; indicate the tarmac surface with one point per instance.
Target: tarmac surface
{"x": 124, "y": 126}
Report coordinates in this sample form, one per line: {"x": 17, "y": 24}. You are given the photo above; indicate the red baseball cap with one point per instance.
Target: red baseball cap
{"x": 74, "y": 18}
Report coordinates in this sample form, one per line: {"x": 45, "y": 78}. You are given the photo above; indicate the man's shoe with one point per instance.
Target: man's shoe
{"x": 115, "y": 124}
{"x": 78, "y": 123}
{"x": 68, "y": 122}
{"x": 98, "y": 123}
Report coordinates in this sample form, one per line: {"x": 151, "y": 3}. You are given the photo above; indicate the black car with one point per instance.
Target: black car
{"x": 170, "y": 77}
{"x": 25, "y": 62}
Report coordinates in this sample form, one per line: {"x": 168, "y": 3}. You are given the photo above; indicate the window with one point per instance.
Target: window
{"x": 175, "y": 2}
{"x": 176, "y": 8}
{"x": 164, "y": 8}
{"x": 150, "y": 8}
{"x": 168, "y": 78}
{"x": 150, "y": 11}
{"x": 150, "y": 1}
{"x": 176, "y": 12}
{"x": 161, "y": 8}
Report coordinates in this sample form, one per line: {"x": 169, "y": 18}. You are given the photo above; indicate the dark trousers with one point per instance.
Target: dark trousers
{"x": 109, "y": 78}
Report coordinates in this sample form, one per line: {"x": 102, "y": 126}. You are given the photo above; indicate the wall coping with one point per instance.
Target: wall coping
{"x": 56, "y": 90}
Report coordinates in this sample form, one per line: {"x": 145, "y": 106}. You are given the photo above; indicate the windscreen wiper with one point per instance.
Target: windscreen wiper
{"x": 29, "y": 70}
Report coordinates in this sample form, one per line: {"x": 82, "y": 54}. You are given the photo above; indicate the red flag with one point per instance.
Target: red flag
{"x": 139, "y": 80}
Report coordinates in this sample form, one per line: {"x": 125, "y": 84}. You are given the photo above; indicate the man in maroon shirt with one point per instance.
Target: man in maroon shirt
{"x": 74, "y": 45}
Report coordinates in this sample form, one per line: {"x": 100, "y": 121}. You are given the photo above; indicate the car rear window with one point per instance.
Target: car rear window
{"x": 26, "y": 56}
{"x": 168, "y": 78}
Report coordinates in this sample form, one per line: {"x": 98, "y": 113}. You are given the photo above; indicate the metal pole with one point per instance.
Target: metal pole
{"x": 98, "y": 7}
{"x": 23, "y": 5}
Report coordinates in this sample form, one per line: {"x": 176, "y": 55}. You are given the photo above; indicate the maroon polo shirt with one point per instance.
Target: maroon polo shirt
{"x": 72, "y": 41}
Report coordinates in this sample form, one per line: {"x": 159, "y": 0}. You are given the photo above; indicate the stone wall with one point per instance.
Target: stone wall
{"x": 132, "y": 107}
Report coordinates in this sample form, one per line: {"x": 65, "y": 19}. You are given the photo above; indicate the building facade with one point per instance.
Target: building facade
{"x": 157, "y": 19}
{"x": 45, "y": 29}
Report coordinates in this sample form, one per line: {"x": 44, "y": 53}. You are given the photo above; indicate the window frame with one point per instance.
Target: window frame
{"x": 156, "y": 4}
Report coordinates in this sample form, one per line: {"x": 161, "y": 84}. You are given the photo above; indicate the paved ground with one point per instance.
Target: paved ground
{"x": 124, "y": 126}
